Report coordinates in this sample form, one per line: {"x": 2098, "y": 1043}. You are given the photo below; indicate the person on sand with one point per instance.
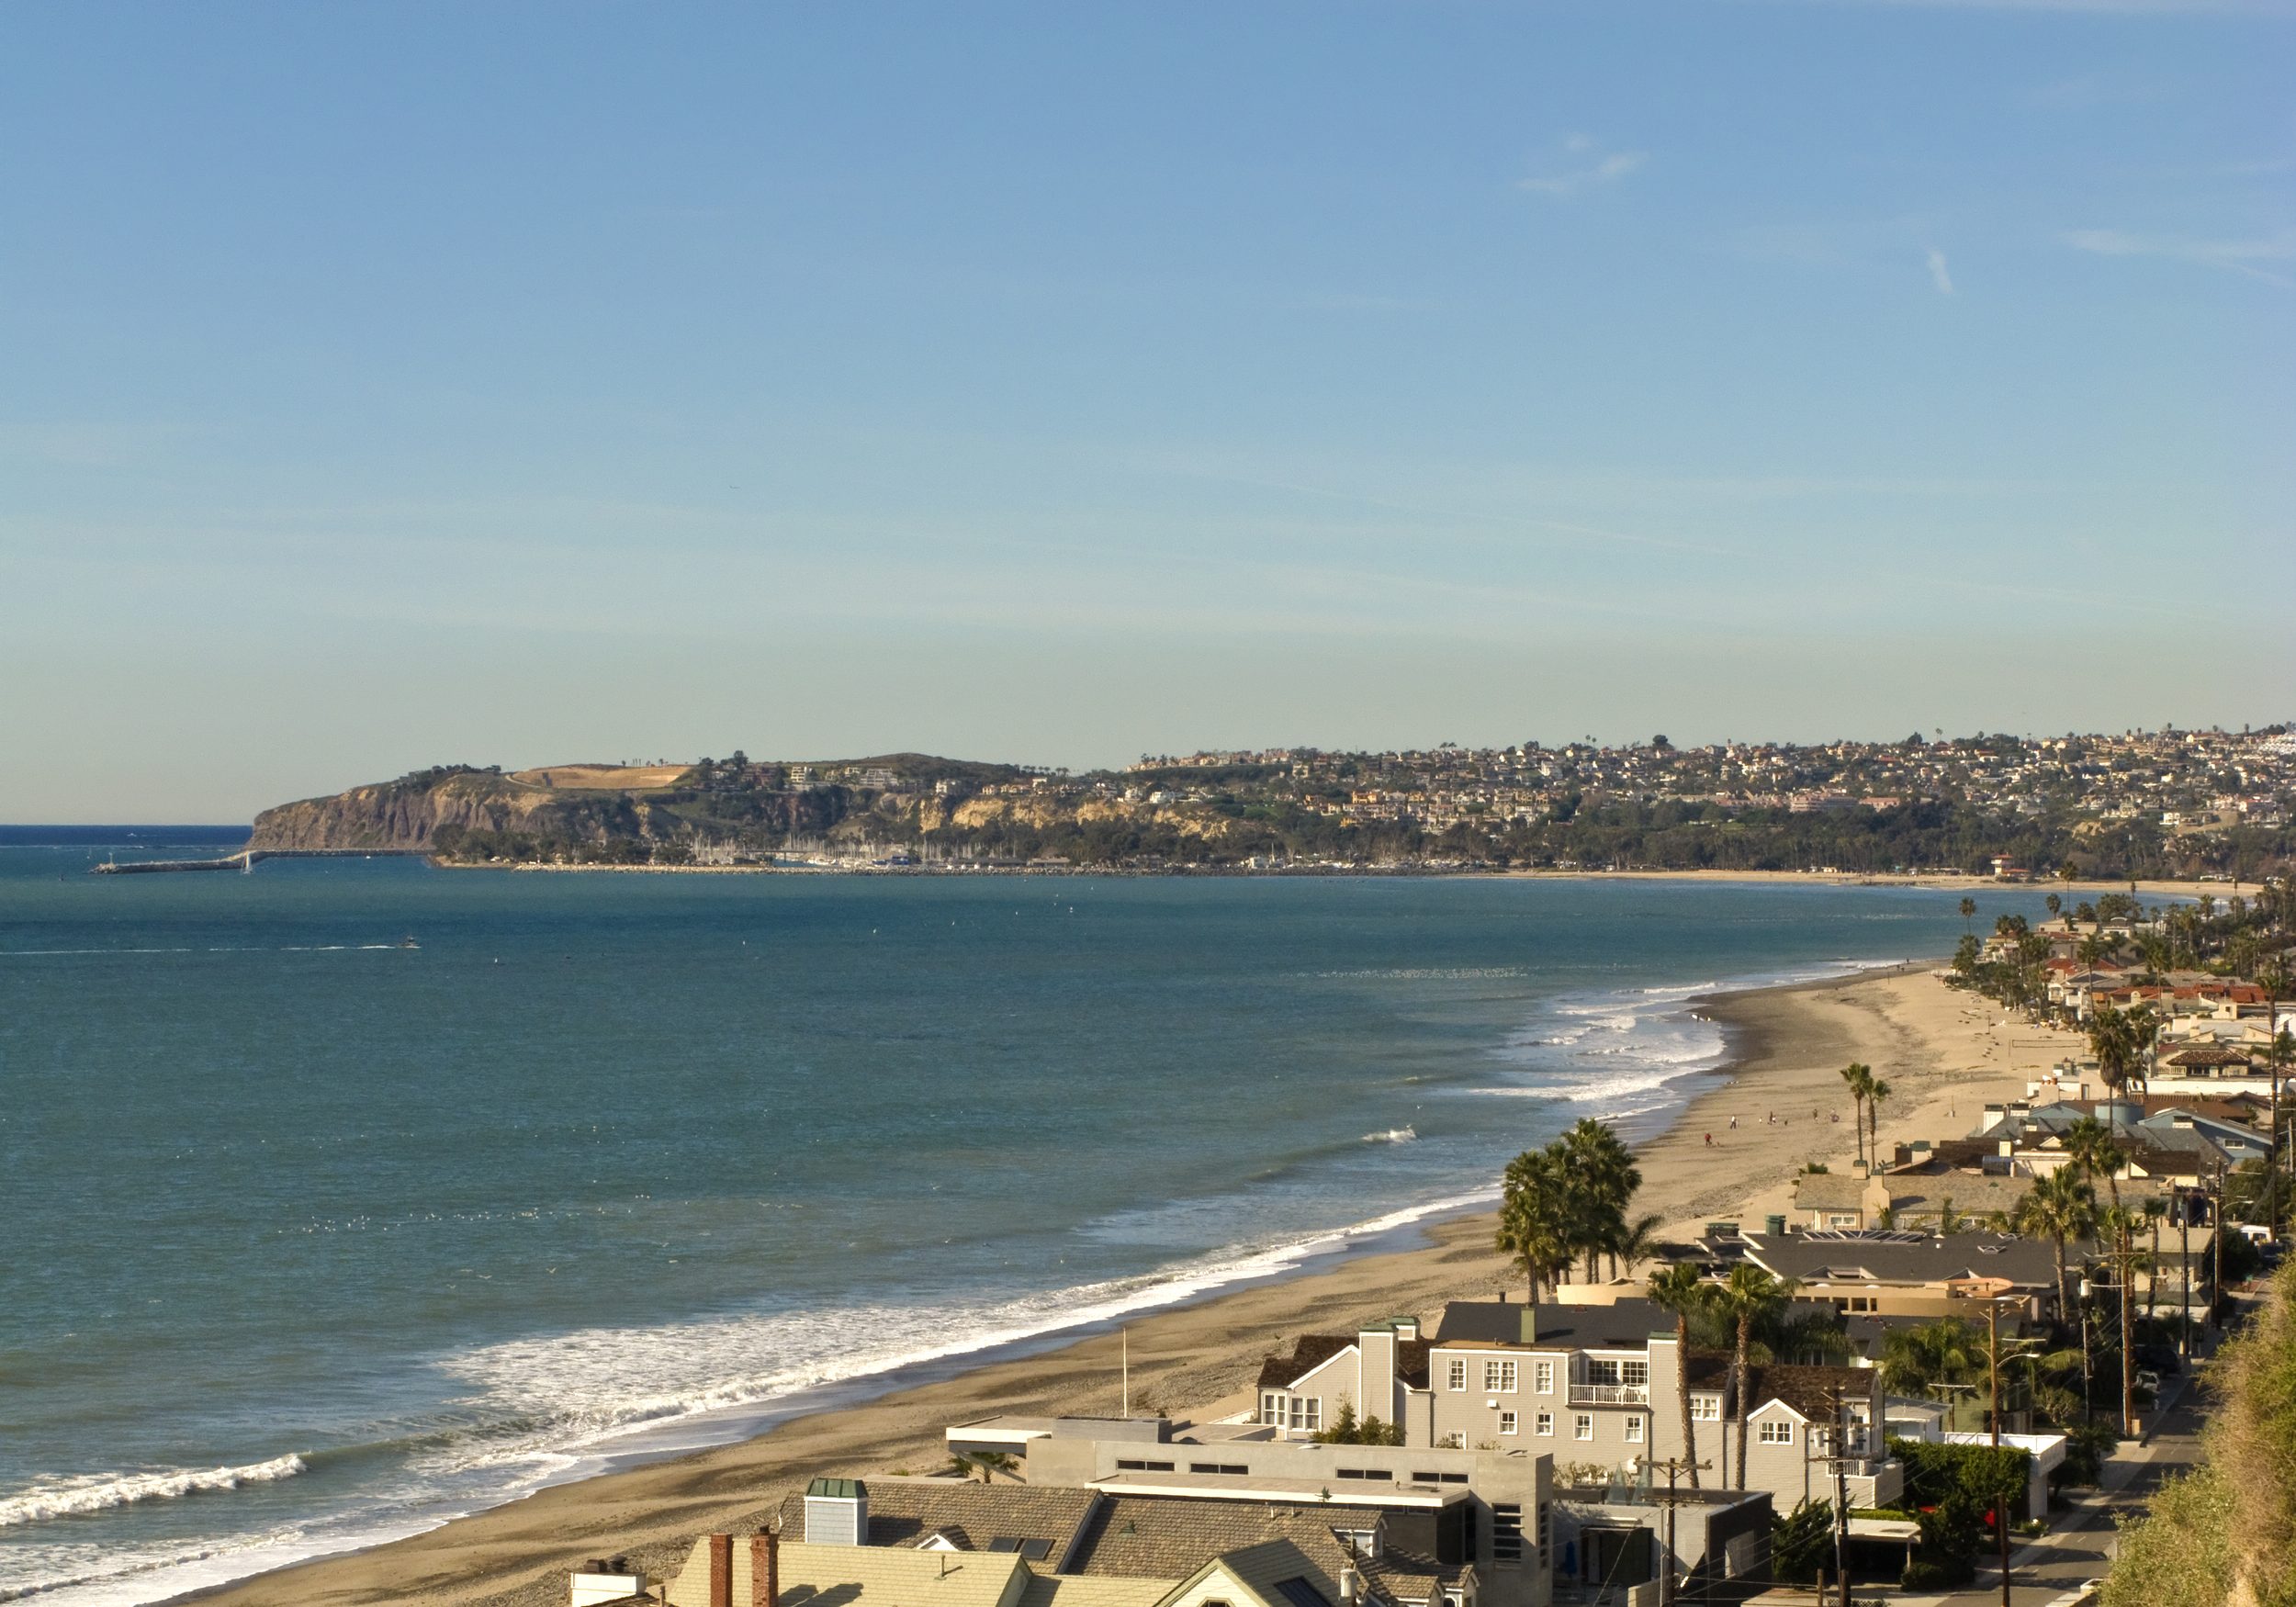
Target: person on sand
{"x": 1709, "y": 1141}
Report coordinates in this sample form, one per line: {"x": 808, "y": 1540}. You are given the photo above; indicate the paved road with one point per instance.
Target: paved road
{"x": 2079, "y": 1543}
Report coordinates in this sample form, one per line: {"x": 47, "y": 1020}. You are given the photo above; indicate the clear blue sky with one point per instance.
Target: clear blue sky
{"x": 383, "y": 385}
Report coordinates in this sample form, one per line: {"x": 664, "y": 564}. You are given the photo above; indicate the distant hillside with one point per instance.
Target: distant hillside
{"x": 2193, "y": 804}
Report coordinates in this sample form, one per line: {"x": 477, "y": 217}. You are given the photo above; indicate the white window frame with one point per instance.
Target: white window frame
{"x": 1543, "y": 1424}
{"x": 1582, "y": 1426}
{"x": 1634, "y": 1429}
{"x": 1774, "y": 1431}
{"x": 1705, "y": 1408}
{"x": 1499, "y": 1378}
{"x": 1307, "y": 1413}
{"x": 1543, "y": 1377}
{"x": 1459, "y": 1375}
{"x": 1507, "y": 1423}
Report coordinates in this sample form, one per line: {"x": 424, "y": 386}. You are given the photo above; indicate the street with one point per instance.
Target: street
{"x": 2079, "y": 1546}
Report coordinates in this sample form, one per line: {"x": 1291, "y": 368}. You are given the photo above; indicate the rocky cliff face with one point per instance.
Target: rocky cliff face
{"x": 404, "y": 815}
{"x": 410, "y": 813}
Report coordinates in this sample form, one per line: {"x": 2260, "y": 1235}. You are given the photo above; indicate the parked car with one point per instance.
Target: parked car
{"x": 2161, "y": 1358}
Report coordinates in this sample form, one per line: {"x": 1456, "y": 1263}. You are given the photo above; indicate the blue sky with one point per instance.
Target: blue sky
{"x": 394, "y": 384}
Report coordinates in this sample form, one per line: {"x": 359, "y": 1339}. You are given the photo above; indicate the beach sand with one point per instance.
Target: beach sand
{"x": 1942, "y": 1054}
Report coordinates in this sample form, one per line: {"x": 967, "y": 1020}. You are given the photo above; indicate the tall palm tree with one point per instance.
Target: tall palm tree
{"x": 1750, "y": 1296}
{"x": 2112, "y": 1040}
{"x": 1679, "y": 1288}
{"x": 1602, "y": 1176}
{"x": 1968, "y": 910}
{"x": 1532, "y": 1218}
{"x": 2121, "y": 1227}
{"x": 1875, "y": 1092}
{"x": 2059, "y": 1207}
{"x": 1860, "y": 1076}
{"x": 2097, "y": 1152}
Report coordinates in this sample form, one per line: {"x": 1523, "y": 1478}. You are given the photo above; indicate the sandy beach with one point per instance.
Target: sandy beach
{"x": 1943, "y": 1053}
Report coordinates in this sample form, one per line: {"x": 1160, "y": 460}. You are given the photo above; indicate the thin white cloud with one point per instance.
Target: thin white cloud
{"x": 2235, "y": 256}
{"x": 1587, "y": 166}
{"x": 1939, "y": 275}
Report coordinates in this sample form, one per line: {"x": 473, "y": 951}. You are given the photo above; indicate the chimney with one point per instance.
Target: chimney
{"x": 1530, "y": 1324}
{"x": 765, "y": 1570}
{"x": 1350, "y": 1586}
{"x": 721, "y": 1570}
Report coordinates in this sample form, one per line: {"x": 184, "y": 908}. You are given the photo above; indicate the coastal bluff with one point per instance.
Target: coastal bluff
{"x": 735, "y": 812}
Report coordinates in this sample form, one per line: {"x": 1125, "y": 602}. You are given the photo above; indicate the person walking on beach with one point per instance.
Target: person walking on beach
{"x": 1709, "y": 1141}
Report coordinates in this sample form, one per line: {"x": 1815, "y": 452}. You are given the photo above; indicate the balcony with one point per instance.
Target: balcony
{"x": 1610, "y": 1394}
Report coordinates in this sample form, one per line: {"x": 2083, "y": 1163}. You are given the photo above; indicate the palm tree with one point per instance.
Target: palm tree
{"x": 1968, "y": 911}
{"x": 2121, "y": 1226}
{"x": 2059, "y": 1206}
{"x": 2096, "y": 1152}
{"x": 2113, "y": 1039}
{"x": 1875, "y": 1093}
{"x": 1750, "y": 1296}
{"x": 987, "y": 1464}
{"x": 1860, "y": 1076}
{"x": 1602, "y": 1177}
{"x": 1531, "y": 1220}
{"x": 1679, "y": 1288}
{"x": 1916, "y": 1361}
{"x": 1629, "y": 1243}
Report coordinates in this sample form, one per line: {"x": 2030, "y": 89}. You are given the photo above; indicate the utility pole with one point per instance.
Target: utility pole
{"x": 1837, "y": 1460}
{"x": 1673, "y": 1467}
{"x": 1993, "y": 1371}
{"x": 2184, "y": 1276}
{"x": 2216, "y": 1243}
{"x": 2020, "y": 1347}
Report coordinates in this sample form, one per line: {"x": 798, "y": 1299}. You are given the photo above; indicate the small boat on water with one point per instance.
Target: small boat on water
{"x": 408, "y": 942}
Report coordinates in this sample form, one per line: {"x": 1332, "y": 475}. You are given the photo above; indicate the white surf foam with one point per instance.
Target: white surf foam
{"x": 1394, "y": 1135}
{"x": 94, "y": 1493}
{"x": 1619, "y": 1051}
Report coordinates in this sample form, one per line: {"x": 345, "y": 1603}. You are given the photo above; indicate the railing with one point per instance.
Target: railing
{"x": 1610, "y": 1395}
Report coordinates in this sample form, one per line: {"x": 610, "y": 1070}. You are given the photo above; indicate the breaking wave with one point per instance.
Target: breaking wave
{"x": 95, "y": 1493}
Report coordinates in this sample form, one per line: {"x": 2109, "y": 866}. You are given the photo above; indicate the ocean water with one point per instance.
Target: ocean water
{"x": 347, "y": 1195}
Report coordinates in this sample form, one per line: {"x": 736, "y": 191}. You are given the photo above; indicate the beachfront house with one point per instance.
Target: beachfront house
{"x": 1911, "y": 1272}
{"x": 1278, "y": 1541}
{"x": 1497, "y": 1510}
{"x": 765, "y": 1570}
{"x": 1598, "y": 1387}
{"x": 1380, "y": 1371}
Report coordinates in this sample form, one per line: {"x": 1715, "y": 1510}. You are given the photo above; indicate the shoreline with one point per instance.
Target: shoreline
{"x": 1784, "y": 1046}
{"x": 1935, "y": 881}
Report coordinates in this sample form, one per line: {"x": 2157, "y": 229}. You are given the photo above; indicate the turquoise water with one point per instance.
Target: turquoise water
{"x": 314, "y": 1238}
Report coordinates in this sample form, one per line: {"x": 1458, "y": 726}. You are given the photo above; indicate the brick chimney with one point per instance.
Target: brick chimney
{"x": 765, "y": 1570}
{"x": 721, "y": 1570}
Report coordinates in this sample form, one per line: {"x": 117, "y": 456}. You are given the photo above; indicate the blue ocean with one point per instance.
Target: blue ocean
{"x": 349, "y": 1194}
